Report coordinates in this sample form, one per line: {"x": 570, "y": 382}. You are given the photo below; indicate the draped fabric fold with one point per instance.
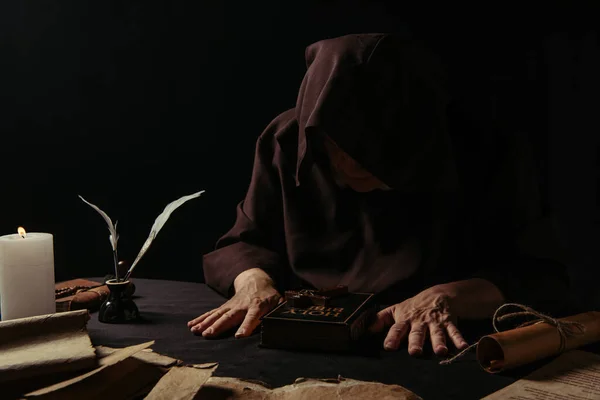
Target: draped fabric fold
{"x": 463, "y": 203}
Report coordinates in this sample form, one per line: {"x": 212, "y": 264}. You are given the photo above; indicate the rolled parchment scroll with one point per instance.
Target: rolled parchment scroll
{"x": 520, "y": 346}
{"x": 45, "y": 344}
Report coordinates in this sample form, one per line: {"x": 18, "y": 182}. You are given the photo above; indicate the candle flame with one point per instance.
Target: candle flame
{"x": 22, "y": 232}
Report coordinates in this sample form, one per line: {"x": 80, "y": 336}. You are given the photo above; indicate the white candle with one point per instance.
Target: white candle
{"x": 26, "y": 275}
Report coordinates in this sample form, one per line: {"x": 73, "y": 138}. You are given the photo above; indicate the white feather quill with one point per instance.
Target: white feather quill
{"x": 112, "y": 228}
{"x": 157, "y": 226}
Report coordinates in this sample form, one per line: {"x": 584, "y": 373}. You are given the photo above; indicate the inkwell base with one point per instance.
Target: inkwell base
{"x": 119, "y": 307}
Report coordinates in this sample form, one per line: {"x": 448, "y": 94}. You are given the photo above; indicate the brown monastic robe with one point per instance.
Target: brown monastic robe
{"x": 463, "y": 203}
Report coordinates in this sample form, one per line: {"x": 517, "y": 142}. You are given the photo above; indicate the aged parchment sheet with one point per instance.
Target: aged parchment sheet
{"x": 574, "y": 375}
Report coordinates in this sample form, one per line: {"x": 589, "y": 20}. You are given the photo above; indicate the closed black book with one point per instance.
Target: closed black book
{"x": 336, "y": 327}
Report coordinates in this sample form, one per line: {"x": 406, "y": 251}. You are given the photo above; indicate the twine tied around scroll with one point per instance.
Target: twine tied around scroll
{"x": 566, "y": 329}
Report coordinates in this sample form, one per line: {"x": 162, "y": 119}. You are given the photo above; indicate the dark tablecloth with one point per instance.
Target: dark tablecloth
{"x": 167, "y": 306}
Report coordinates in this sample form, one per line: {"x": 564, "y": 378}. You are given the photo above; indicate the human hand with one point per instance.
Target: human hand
{"x": 255, "y": 295}
{"x": 426, "y": 314}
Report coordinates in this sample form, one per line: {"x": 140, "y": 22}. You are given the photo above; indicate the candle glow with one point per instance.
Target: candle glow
{"x": 22, "y": 232}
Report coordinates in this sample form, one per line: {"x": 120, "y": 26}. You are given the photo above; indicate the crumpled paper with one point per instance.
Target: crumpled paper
{"x": 182, "y": 383}
{"x": 217, "y": 388}
{"x": 146, "y": 355}
{"x": 117, "y": 366}
{"x": 137, "y": 371}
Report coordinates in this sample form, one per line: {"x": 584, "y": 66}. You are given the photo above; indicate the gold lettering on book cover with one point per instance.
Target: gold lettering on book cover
{"x": 326, "y": 309}
{"x": 316, "y": 311}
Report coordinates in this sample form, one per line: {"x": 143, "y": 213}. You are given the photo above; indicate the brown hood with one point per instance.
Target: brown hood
{"x": 381, "y": 98}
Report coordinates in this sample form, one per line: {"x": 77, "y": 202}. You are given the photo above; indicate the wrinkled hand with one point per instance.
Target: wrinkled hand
{"x": 426, "y": 314}
{"x": 255, "y": 295}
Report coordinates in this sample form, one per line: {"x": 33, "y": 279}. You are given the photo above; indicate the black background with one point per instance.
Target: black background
{"x": 133, "y": 104}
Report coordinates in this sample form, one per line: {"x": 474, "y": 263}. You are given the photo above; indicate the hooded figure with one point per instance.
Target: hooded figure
{"x": 373, "y": 182}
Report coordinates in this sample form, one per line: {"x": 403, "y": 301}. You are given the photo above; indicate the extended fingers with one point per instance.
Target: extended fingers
{"x": 208, "y": 320}
{"x": 416, "y": 338}
{"x": 395, "y": 335}
{"x": 225, "y": 322}
{"x": 252, "y": 319}
{"x": 199, "y": 319}
{"x": 456, "y": 336}
{"x": 438, "y": 338}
